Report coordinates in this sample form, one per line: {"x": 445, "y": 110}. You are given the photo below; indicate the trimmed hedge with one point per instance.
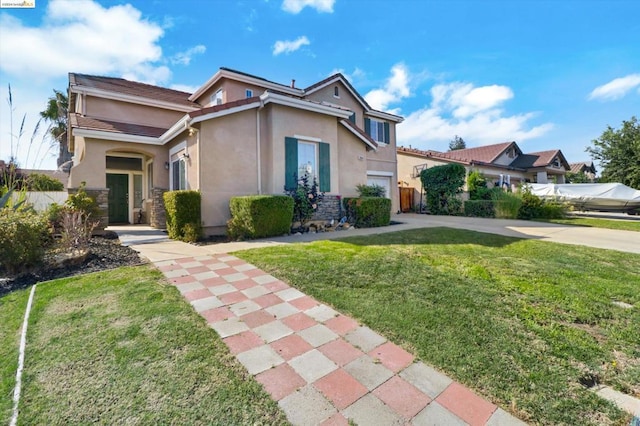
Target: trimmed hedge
{"x": 23, "y": 235}
{"x": 183, "y": 215}
{"x": 368, "y": 212}
{"x": 259, "y": 216}
{"x": 479, "y": 208}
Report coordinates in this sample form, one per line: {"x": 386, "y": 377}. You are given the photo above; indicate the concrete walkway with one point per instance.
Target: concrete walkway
{"x": 321, "y": 366}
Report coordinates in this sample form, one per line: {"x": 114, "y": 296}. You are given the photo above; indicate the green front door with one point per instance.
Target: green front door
{"x": 118, "y": 185}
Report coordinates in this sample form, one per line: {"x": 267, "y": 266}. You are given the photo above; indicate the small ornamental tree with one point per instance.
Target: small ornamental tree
{"x": 442, "y": 185}
{"x": 306, "y": 199}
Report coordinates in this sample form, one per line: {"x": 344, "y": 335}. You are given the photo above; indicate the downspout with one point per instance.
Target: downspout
{"x": 258, "y": 151}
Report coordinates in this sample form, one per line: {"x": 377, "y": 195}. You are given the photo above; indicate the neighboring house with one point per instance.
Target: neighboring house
{"x": 502, "y": 163}
{"x": 587, "y": 168}
{"x": 53, "y": 174}
{"x": 238, "y": 134}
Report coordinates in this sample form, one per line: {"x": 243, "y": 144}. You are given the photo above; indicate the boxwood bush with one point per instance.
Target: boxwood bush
{"x": 259, "y": 216}
{"x": 183, "y": 215}
{"x": 23, "y": 235}
{"x": 368, "y": 212}
{"x": 479, "y": 208}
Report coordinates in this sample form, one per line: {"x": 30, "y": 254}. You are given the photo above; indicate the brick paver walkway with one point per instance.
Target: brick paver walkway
{"x": 322, "y": 367}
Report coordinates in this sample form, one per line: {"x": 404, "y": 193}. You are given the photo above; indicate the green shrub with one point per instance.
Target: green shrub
{"x": 259, "y": 216}
{"x": 553, "y": 210}
{"x": 477, "y": 186}
{"x": 479, "y": 208}
{"x": 506, "y": 205}
{"x": 183, "y": 215}
{"x": 83, "y": 202}
{"x": 442, "y": 185}
{"x": 371, "y": 190}
{"x": 42, "y": 182}
{"x": 531, "y": 204}
{"x": 23, "y": 234}
{"x": 306, "y": 198}
{"x": 368, "y": 212}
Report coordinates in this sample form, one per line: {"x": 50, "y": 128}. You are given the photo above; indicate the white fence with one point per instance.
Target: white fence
{"x": 42, "y": 200}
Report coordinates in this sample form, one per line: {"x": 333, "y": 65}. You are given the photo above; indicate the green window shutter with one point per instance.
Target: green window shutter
{"x": 387, "y": 139}
{"x": 325, "y": 167}
{"x": 290, "y": 163}
{"x": 352, "y": 118}
{"x": 367, "y": 126}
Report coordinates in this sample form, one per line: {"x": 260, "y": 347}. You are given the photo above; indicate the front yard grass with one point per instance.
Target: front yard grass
{"x": 123, "y": 347}
{"x": 624, "y": 225}
{"x": 524, "y": 323}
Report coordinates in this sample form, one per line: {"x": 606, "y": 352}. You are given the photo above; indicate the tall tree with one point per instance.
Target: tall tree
{"x": 618, "y": 152}
{"x": 56, "y": 114}
{"x": 457, "y": 143}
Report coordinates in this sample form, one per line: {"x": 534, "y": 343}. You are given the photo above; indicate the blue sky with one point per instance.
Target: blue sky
{"x": 547, "y": 74}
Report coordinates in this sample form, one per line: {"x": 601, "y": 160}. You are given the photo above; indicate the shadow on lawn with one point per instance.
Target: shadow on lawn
{"x": 437, "y": 235}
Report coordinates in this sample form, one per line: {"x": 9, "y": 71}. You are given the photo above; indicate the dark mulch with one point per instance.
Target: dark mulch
{"x": 104, "y": 253}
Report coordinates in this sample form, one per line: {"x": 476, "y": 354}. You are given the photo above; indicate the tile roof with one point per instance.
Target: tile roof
{"x": 78, "y": 121}
{"x": 483, "y": 154}
{"x": 222, "y": 107}
{"x": 582, "y": 166}
{"x": 354, "y": 128}
{"x": 537, "y": 159}
{"x": 132, "y": 88}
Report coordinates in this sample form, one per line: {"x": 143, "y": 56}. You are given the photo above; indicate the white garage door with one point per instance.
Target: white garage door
{"x": 382, "y": 181}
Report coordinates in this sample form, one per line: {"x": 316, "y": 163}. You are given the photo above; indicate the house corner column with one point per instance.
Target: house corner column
{"x": 158, "y": 218}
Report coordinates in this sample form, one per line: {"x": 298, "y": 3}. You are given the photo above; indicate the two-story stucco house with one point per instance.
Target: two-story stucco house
{"x": 238, "y": 134}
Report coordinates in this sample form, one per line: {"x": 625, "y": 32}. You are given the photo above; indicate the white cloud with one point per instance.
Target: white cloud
{"x": 474, "y": 113}
{"x": 184, "y": 58}
{"x": 288, "y": 46}
{"x": 82, "y": 36}
{"x": 616, "y": 88}
{"x": 395, "y": 89}
{"x": 295, "y": 6}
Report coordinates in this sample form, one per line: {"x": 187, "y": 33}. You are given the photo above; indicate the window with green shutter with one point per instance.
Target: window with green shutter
{"x": 307, "y": 158}
{"x": 378, "y": 130}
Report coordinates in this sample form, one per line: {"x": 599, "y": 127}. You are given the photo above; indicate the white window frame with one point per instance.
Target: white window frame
{"x": 173, "y": 152}
{"x": 216, "y": 98}
{"x": 316, "y": 160}
{"x": 336, "y": 92}
{"x": 377, "y": 131}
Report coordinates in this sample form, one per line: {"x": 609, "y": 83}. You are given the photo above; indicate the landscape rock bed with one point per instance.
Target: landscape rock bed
{"x": 104, "y": 253}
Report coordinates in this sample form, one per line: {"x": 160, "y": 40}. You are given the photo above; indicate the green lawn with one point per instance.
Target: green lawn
{"x": 123, "y": 347}
{"x": 625, "y": 225}
{"x": 522, "y": 322}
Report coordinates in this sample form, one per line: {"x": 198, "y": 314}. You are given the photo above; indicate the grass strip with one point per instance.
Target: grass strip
{"x": 123, "y": 347}
{"x": 523, "y": 322}
{"x": 623, "y": 225}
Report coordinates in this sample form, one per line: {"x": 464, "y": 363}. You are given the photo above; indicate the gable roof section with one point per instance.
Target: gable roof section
{"x": 483, "y": 154}
{"x": 538, "y": 159}
{"x": 244, "y": 77}
{"x": 130, "y": 91}
{"x": 338, "y": 77}
{"x": 360, "y": 134}
{"x": 581, "y": 167}
{"x": 86, "y": 123}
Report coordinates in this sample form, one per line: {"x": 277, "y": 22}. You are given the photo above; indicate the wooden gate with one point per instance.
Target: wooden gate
{"x": 406, "y": 199}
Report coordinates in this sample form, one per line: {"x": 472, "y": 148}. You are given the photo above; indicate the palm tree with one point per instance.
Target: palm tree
{"x": 56, "y": 114}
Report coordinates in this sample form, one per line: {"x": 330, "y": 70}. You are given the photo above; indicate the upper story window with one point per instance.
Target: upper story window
{"x": 378, "y": 130}
{"x": 248, "y": 93}
{"x": 216, "y": 99}
{"x": 511, "y": 153}
{"x": 556, "y": 163}
{"x": 336, "y": 92}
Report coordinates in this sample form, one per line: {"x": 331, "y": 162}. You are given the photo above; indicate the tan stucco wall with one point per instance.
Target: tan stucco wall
{"x": 125, "y": 112}
{"x": 228, "y": 164}
{"x": 352, "y": 162}
{"x": 92, "y": 169}
{"x": 231, "y": 91}
{"x": 346, "y": 100}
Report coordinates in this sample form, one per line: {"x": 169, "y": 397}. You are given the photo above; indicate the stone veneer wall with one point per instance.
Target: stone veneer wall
{"x": 101, "y": 195}
{"x": 329, "y": 208}
{"x": 157, "y": 217}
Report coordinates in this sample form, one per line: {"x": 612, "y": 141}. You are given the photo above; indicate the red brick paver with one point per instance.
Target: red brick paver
{"x": 277, "y": 330}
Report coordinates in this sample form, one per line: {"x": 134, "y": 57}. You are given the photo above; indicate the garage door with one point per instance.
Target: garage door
{"x": 382, "y": 181}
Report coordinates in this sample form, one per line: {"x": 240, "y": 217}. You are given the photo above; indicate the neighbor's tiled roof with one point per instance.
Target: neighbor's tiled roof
{"x": 580, "y": 167}
{"x": 536, "y": 159}
{"x": 78, "y": 121}
{"x": 483, "y": 154}
{"x": 417, "y": 152}
{"x": 132, "y": 88}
